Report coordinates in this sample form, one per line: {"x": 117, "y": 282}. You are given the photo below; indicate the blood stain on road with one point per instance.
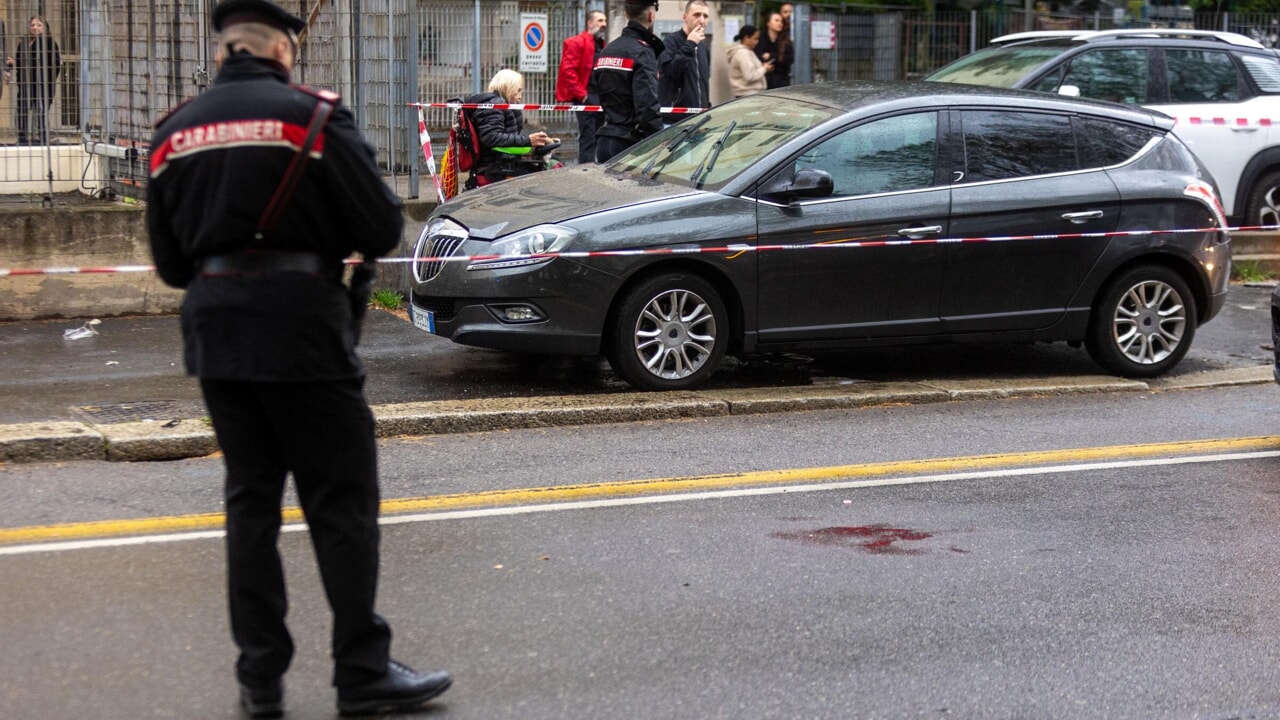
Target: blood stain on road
{"x": 876, "y": 539}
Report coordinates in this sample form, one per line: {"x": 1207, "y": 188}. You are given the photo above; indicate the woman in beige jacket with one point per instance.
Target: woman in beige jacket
{"x": 746, "y": 73}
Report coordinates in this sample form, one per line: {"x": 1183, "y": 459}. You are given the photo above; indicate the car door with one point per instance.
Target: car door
{"x": 886, "y": 186}
{"x": 1024, "y": 209}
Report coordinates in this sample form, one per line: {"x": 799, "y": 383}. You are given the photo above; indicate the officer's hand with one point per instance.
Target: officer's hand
{"x": 539, "y": 139}
{"x": 698, "y": 34}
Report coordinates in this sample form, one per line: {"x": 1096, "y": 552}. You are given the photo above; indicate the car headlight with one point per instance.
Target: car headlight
{"x": 514, "y": 251}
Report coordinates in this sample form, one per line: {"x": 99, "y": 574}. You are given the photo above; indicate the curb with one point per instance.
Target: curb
{"x": 191, "y": 438}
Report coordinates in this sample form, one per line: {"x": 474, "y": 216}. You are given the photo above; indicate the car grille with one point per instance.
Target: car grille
{"x": 444, "y": 308}
{"x": 434, "y": 246}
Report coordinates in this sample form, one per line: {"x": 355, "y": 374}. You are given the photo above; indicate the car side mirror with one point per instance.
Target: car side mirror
{"x": 1069, "y": 90}
{"x": 806, "y": 183}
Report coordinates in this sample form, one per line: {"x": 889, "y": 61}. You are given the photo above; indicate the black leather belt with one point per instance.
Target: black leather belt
{"x": 265, "y": 261}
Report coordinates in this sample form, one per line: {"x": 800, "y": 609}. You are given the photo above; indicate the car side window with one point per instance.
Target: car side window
{"x": 1009, "y": 144}
{"x": 1105, "y": 143}
{"x": 1197, "y": 76}
{"x": 1116, "y": 75}
{"x": 888, "y": 155}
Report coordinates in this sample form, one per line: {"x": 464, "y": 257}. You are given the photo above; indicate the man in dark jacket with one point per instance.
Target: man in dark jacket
{"x": 626, "y": 80}
{"x": 269, "y": 329}
{"x": 684, "y": 69}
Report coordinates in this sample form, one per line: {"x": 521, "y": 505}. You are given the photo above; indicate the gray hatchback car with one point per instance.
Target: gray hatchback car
{"x": 842, "y": 215}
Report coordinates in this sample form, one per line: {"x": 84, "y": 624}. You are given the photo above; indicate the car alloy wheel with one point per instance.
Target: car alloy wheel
{"x": 669, "y": 333}
{"x": 1143, "y": 323}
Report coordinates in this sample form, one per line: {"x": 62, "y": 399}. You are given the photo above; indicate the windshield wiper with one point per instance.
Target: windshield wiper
{"x": 696, "y": 180}
{"x": 671, "y": 146}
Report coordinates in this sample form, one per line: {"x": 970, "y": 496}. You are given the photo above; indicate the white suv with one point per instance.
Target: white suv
{"x": 1223, "y": 88}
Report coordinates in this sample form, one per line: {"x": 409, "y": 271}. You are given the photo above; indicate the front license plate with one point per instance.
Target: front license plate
{"x": 423, "y": 319}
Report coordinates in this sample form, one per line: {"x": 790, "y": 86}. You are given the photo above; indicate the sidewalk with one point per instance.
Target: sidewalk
{"x": 122, "y": 394}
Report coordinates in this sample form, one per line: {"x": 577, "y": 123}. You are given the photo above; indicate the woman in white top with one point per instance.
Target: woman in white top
{"x": 746, "y": 72}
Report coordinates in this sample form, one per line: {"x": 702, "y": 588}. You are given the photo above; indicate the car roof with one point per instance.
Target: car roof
{"x": 1089, "y": 36}
{"x": 849, "y": 96}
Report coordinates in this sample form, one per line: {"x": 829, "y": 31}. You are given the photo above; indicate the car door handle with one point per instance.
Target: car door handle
{"x": 1080, "y": 218}
{"x": 1243, "y": 129}
{"x": 915, "y": 233}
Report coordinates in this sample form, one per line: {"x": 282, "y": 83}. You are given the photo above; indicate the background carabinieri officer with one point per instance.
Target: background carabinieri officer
{"x": 268, "y": 328}
{"x": 626, "y": 81}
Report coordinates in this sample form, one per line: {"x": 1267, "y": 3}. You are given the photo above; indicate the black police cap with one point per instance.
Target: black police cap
{"x": 231, "y": 12}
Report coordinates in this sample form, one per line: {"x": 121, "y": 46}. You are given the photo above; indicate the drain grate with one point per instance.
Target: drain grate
{"x": 154, "y": 410}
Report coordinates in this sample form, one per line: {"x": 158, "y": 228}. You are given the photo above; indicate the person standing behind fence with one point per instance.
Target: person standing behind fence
{"x": 775, "y": 45}
{"x": 35, "y": 67}
{"x": 4, "y": 76}
{"x": 577, "y": 58}
{"x": 746, "y": 73}
{"x": 684, "y": 68}
{"x": 626, "y": 80}
{"x": 258, "y": 191}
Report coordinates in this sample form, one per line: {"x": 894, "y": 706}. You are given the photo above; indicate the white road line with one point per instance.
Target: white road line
{"x": 36, "y": 548}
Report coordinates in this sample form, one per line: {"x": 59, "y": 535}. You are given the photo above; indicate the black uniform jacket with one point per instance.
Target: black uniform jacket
{"x": 684, "y": 75}
{"x": 215, "y": 163}
{"x": 626, "y": 81}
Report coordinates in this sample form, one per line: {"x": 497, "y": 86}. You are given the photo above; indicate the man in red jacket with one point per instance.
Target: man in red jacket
{"x": 576, "y": 62}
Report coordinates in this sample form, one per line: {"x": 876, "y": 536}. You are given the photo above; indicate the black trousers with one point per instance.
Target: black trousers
{"x": 32, "y": 116}
{"x": 323, "y": 433}
{"x": 587, "y": 122}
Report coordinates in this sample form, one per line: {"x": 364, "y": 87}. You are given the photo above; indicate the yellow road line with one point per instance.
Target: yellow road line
{"x": 662, "y": 486}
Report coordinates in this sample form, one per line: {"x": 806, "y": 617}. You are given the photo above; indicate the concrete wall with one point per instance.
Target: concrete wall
{"x": 106, "y": 235}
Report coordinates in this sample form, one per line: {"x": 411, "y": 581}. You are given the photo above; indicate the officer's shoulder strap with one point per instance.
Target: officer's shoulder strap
{"x": 328, "y": 96}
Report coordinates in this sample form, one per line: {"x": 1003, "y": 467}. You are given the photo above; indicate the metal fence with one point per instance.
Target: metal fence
{"x": 125, "y": 63}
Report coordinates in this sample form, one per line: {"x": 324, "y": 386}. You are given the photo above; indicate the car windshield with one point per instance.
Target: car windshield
{"x": 710, "y": 149}
{"x": 999, "y": 66}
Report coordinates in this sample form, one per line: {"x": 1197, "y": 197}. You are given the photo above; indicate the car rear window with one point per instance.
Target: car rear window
{"x": 1264, "y": 71}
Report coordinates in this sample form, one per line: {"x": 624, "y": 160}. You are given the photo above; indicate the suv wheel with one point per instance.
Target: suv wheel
{"x": 1264, "y": 201}
{"x": 1142, "y": 323}
{"x": 670, "y": 333}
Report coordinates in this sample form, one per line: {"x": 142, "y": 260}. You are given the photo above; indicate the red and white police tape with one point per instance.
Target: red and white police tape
{"x": 425, "y": 139}
{"x": 733, "y": 250}
{"x": 536, "y": 106}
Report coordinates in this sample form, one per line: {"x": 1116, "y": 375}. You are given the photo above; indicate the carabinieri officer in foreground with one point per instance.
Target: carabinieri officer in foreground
{"x": 258, "y": 191}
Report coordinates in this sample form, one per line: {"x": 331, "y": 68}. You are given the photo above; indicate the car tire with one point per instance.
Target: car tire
{"x": 1142, "y": 323}
{"x": 1263, "y": 207}
{"x": 669, "y": 333}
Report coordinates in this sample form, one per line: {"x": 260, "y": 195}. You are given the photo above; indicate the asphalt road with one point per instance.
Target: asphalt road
{"x": 137, "y": 363}
{"x": 1110, "y": 587}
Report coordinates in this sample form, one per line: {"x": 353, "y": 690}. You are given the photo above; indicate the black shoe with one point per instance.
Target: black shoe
{"x": 400, "y": 689}
{"x": 263, "y": 702}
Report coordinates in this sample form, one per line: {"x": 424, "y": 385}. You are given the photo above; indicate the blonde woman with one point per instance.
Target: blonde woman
{"x": 501, "y": 128}
{"x": 746, "y": 72}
